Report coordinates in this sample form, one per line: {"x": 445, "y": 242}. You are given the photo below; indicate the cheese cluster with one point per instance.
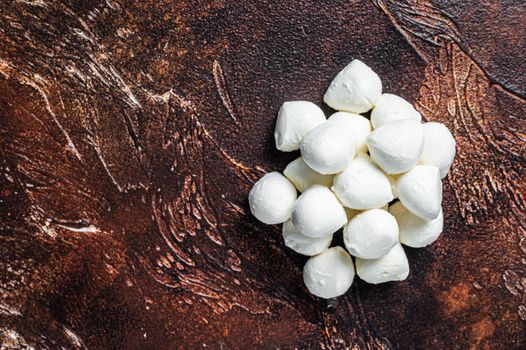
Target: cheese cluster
{"x": 378, "y": 178}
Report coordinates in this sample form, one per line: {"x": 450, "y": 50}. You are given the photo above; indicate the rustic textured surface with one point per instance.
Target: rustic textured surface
{"x": 131, "y": 132}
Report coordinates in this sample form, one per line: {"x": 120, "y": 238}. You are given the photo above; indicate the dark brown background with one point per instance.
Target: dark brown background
{"x": 132, "y": 131}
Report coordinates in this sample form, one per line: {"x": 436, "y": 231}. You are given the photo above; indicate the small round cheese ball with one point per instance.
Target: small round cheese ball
{"x": 271, "y": 199}
{"x": 295, "y": 120}
{"x": 303, "y": 244}
{"x": 420, "y": 191}
{"x": 317, "y": 212}
{"x": 359, "y": 124}
{"x": 303, "y": 176}
{"x": 397, "y": 146}
{"x": 362, "y": 185}
{"x": 390, "y": 107}
{"x": 414, "y": 231}
{"x": 355, "y": 89}
{"x": 329, "y": 274}
{"x": 391, "y": 267}
{"x": 439, "y": 147}
{"x": 329, "y": 148}
{"x": 371, "y": 234}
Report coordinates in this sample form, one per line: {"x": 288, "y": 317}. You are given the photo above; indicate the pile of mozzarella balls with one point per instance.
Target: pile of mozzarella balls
{"x": 349, "y": 174}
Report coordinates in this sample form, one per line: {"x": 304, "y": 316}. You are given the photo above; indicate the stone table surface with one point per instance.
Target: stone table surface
{"x": 132, "y": 131}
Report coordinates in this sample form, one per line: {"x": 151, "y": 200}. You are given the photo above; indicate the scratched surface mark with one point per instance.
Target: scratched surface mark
{"x": 132, "y": 131}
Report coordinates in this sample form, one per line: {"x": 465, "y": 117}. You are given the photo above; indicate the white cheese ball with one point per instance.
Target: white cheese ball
{"x": 317, "y": 212}
{"x": 303, "y": 176}
{"x": 371, "y": 234}
{"x": 329, "y": 274}
{"x": 391, "y": 267}
{"x": 329, "y": 148}
{"x": 295, "y": 120}
{"x": 362, "y": 185}
{"x": 302, "y": 244}
{"x": 355, "y": 89}
{"x": 396, "y": 147}
{"x": 420, "y": 191}
{"x": 414, "y": 231}
{"x": 390, "y": 107}
{"x": 359, "y": 124}
{"x": 439, "y": 147}
{"x": 271, "y": 199}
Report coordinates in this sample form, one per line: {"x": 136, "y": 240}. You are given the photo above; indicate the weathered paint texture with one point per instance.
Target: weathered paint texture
{"x": 132, "y": 131}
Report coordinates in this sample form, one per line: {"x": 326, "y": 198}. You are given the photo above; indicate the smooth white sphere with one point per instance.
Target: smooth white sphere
{"x": 439, "y": 147}
{"x": 329, "y": 274}
{"x": 302, "y": 244}
{"x": 355, "y": 89}
{"x": 317, "y": 212}
{"x": 303, "y": 176}
{"x": 391, "y": 267}
{"x": 371, "y": 234}
{"x": 362, "y": 185}
{"x": 420, "y": 191}
{"x": 391, "y": 107}
{"x": 414, "y": 231}
{"x": 295, "y": 120}
{"x": 360, "y": 125}
{"x": 329, "y": 148}
{"x": 396, "y": 147}
{"x": 271, "y": 199}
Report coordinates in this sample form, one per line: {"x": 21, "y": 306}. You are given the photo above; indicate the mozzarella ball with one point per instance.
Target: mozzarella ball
{"x": 295, "y": 120}
{"x": 362, "y": 185}
{"x": 271, "y": 199}
{"x": 303, "y": 244}
{"x": 371, "y": 234}
{"x": 329, "y": 148}
{"x": 391, "y": 267}
{"x": 329, "y": 274}
{"x": 317, "y": 212}
{"x": 359, "y": 124}
{"x": 355, "y": 89}
{"x": 439, "y": 147}
{"x": 303, "y": 177}
{"x": 414, "y": 231}
{"x": 396, "y": 147}
{"x": 390, "y": 107}
{"x": 420, "y": 191}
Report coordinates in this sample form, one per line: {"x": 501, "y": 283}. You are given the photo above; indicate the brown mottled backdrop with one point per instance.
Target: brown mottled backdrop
{"x": 131, "y": 132}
